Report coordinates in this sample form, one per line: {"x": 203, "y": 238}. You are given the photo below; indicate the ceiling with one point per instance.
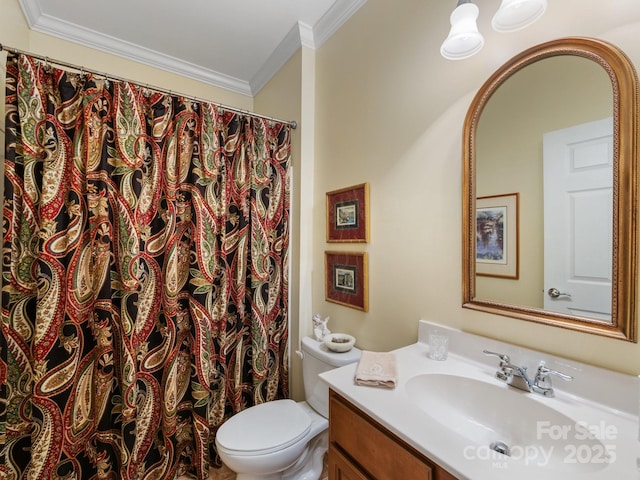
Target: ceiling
{"x": 233, "y": 44}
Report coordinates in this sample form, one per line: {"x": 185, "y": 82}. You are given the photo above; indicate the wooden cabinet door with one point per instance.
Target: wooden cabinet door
{"x": 341, "y": 469}
{"x": 373, "y": 449}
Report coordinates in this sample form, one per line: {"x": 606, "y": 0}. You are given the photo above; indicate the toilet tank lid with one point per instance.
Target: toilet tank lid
{"x": 319, "y": 350}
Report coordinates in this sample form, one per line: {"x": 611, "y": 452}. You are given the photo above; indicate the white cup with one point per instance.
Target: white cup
{"x": 438, "y": 346}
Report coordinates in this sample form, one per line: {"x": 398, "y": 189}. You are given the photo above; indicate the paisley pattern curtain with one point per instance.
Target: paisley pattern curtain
{"x": 144, "y": 272}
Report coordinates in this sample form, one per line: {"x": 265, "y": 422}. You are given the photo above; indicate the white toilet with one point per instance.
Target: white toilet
{"x": 283, "y": 439}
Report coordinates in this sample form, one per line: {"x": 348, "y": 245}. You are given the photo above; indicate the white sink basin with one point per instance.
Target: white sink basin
{"x": 492, "y": 416}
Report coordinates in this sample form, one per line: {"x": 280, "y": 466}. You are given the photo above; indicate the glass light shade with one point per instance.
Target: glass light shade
{"x": 464, "y": 39}
{"x": 516, "y": 14}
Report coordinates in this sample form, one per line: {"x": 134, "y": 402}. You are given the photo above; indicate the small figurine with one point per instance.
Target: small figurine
{"x": 320, "y": 329}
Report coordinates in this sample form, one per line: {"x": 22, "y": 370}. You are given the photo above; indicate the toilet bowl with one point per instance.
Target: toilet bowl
{"x": 284, "y": 439}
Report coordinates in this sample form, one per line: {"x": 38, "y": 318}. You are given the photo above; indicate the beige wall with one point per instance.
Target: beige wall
{"x": 390, "y": 112}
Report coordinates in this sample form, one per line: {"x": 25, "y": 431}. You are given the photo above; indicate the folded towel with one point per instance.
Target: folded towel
{"x": 376, "y": 369}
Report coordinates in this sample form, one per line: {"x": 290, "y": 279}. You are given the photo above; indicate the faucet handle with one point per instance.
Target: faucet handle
{"x": 542, "y": 382}
{"x": 503, "y": 358}
{"x": 544, "y": 372}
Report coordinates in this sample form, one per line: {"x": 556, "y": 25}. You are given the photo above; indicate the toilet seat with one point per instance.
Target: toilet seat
{"x": 265, "y": 428}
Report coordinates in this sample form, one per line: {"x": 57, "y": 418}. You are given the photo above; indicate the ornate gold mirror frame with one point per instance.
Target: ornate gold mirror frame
{"x": 624, "y": 83}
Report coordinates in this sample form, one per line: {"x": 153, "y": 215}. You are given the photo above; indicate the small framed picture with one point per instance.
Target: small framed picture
{"x": 346, "y": 279}
{"x": 348, "y": 214}
{"x": 497, "y": 236}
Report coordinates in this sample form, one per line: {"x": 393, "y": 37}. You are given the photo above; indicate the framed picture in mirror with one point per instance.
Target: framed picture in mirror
{"x": 497, "y": 236}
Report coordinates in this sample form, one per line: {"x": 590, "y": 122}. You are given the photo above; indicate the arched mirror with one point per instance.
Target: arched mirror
{"x": 550, "y": 149}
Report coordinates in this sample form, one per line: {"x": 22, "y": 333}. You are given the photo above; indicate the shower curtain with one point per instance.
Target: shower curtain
{"x": 144, "y": 275}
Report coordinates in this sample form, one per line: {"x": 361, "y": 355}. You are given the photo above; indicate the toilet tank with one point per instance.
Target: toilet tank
{"x": 317, "y": 358}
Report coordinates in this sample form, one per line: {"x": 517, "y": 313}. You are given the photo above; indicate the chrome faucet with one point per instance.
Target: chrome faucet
{"x": 517, "y": 377}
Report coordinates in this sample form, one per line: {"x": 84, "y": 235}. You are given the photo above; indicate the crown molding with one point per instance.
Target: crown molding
{"x": 300, "y": 35}
{"x": 336, "y": 16}
{"x": 105, "y": 43}
{"x": 307, "y": 36}
{"x": 31, "y": 10}
{"x": 281, "y": 55}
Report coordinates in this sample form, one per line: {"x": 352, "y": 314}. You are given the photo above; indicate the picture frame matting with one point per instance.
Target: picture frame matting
{"x": 348, "y": 214}
{"x": 346, "y": 279}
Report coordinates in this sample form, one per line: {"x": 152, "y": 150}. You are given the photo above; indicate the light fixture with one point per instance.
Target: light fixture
{"x": 516, "y": 14}
{"x": 464, "y": 39}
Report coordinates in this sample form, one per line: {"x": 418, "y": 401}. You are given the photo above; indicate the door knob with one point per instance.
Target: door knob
{"x": 555, "y": 293}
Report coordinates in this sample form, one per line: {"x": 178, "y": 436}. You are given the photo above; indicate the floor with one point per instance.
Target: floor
{"x": 221, "y": 474}
{"x": 225, "y": 474}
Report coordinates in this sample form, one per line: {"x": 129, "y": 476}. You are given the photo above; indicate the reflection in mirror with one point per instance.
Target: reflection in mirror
{"x": 555, "y": 129}
{"x": 561, "y": 92}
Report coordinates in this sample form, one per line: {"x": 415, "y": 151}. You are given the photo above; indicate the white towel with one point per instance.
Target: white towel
{"x": 376, "y": 369}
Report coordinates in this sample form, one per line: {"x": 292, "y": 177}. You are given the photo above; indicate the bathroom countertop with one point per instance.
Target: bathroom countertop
{"x": 605, "y": 402}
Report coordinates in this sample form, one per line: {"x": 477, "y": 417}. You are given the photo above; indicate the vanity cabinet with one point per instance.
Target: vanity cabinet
{"x": 362, "y": 449}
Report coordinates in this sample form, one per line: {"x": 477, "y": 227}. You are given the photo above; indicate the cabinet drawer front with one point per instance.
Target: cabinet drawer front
{"x": 371, "y": 447}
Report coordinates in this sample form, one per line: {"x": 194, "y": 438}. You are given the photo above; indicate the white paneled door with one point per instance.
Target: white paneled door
{"x": 578, "y": 219}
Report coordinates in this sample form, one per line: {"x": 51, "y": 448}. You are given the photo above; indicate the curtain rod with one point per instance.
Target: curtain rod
{"x": 292, "y": 123}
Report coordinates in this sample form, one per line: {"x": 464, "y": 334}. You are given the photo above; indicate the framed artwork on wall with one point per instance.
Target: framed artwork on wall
{"x": 346, "y": 279}
{"x": 497, "y": 241}
{"x": 348, "y": 214}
